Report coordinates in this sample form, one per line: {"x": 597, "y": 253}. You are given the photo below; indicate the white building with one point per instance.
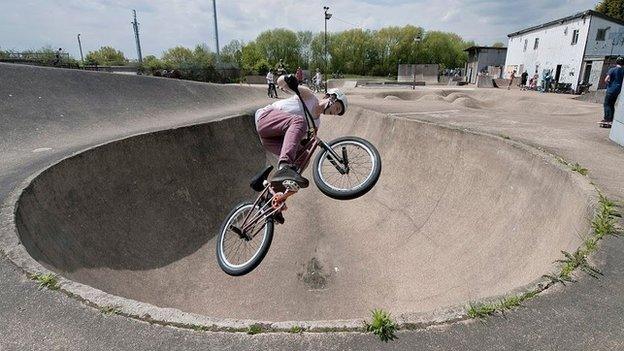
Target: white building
{"x": 578, "y": 49}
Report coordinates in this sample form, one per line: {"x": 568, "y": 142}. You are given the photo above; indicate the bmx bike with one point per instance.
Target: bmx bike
{"x": 345, "y": 168}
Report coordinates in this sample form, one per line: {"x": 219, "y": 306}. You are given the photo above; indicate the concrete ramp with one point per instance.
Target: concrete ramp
{"x": 427, "y": 73}
{"x": 455, "y": 217}
{"x": 485, "y": 81}
{"x": 617, "y": 129}
{"x": 341, "y": 83}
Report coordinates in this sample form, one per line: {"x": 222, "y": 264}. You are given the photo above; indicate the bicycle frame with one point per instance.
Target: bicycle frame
{"x": 275, "y": 201}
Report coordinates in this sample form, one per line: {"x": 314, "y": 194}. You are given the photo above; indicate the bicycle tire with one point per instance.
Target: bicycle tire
{"x": 347, "y": 193}
{"x": 259, "y": 254}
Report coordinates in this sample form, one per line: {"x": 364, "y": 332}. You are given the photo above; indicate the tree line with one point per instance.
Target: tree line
{"x": 354, "y": 51}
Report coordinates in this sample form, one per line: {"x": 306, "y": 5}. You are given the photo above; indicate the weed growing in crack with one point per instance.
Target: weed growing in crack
{"x": 254, "y": 329}
{"x": 295, "y": 329}
{"x": 110, "y": 310}
{"x": 48, "y": 280}
{"x": 382, "y": 325}
{"x": 578, "y": 169}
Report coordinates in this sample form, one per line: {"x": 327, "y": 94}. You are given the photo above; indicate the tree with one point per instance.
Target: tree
{"x": 232, "y": 52}
{"x": 279, "y": 44}
{"x": 251, "y": 56}
{"x": 498, "y": 44}
{"x": 106, "y": 56}
{"x": 177, "y": 56}
{"x": 151, "y": 63}
{"x": 305, "y": 49}
{"x": 612, "y": 8}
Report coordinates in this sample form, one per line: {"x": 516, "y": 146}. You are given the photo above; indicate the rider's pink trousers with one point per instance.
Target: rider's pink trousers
{"x": 281, "y": 133}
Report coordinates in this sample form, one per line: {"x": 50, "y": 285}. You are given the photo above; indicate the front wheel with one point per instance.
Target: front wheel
{"x": 241, "y": 247}
{"x": 352, "y": 173}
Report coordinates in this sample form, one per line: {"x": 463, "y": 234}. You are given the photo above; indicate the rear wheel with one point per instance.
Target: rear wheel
{"x": 363, "y": 168}
{"x": 239, "y": 252}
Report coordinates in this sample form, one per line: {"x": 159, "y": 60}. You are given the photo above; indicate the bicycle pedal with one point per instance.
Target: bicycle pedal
{"x": 291, "y": 185}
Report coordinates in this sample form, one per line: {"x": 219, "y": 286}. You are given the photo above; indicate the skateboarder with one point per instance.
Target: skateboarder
{"x": 614, "y": 86}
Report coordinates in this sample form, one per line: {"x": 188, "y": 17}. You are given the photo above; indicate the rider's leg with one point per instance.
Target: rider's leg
{"x": 278, "y": 126}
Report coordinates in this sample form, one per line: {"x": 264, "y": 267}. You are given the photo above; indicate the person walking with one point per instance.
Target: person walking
{"x": 614, "y": 86}
{"x": 513, "y": 76}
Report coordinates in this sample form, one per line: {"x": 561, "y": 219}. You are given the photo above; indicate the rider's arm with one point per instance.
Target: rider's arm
{"x": 305, "y": 92}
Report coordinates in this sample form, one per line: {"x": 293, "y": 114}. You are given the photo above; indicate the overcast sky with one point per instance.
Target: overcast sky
{"x": 31, "y": 24}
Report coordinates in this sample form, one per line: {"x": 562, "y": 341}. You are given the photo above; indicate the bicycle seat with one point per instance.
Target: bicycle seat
{"x": 258, "y": 179}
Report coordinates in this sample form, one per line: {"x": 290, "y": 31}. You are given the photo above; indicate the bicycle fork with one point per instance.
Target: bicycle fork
{"x": 341, "y": 164}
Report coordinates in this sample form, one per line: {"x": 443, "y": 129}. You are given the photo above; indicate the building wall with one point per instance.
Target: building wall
{"x": 597, "y": 50}
{"x": 483, "y": 59}
{"x": 613, "y": 43}
{"x": 555, "y": 48}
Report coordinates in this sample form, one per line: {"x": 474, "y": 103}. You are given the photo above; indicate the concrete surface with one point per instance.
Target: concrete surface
{"x": 584, "y": 315}
{"x": 617, "y": 129}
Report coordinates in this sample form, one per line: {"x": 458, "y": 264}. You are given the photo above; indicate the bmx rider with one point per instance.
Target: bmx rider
{"x": 282, "y": 125}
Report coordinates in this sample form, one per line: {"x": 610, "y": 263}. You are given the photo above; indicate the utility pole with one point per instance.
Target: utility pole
{"x": 80, "y": 47}
{"x": 135, "y": 24}
{"x": 327, "y": 16}
{"x": 214, "y": 10}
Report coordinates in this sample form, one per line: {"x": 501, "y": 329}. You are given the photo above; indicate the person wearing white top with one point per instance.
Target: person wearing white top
{"x": 282, "y": 125}
{"x": 270, "y": 79}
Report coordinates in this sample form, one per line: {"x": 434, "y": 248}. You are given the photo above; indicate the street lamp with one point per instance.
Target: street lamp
{"x": 80, "y": 47}
{"x": 327, "y": 16}
{"x": 417, "y": 40}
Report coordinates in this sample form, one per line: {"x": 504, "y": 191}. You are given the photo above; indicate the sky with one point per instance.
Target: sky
{"x": 32, "y": 24}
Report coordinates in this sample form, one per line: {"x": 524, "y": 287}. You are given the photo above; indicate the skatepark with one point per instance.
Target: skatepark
{"x": 118, "y": 184}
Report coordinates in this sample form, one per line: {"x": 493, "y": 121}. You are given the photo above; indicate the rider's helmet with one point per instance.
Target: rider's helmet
{"x": 620, "y": 61}
{"x": 340, "y": 96}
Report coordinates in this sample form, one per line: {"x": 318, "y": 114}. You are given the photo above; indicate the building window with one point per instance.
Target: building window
{"x": 526, "y": 41}
{"x": 536, "y": 44}
{"x": 575, "y": 35}
{"x": 601, "y": 35}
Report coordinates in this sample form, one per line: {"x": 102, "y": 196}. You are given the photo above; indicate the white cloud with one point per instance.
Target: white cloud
{"x": 28, "y": 24}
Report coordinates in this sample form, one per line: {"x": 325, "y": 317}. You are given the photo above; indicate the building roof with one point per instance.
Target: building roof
{"x": 477, "y": 48}
{"x": 567, "y": 19}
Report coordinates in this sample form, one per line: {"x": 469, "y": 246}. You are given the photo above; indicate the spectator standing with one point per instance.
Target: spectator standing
{"x": 281, "y": 68}
{"x": 614, "y": 86}
{"x": 270, "y": 79}
{"x": 299, "y": 75}
{"x": 57, "y": 56}
{"x": 523, "y": 78}
{"x": 318, "y": 80}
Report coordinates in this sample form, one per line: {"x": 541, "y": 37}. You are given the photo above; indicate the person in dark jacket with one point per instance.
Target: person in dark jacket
{"x": 614, "y": 86}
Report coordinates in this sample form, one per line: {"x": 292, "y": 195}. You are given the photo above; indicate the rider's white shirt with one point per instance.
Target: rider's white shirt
{"x": 292, "y": 105}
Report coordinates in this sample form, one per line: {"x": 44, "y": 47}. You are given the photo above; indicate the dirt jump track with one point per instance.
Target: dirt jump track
{"x": 130, "y": 220}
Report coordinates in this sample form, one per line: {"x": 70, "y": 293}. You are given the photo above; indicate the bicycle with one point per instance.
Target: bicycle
{"x": 346, "y": 168}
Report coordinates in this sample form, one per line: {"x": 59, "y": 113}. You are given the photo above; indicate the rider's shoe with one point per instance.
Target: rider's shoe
{"x": 289, "y": 173}
{"x": 279, "y": 218}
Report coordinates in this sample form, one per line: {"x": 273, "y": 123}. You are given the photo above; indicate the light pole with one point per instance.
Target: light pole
{"x": 135, "y": 25}
{"x": 214, "y": 10}
{"x": 80, "y": 47}
{"x": 327, "y": 16}
{"x": 416, "y": 41}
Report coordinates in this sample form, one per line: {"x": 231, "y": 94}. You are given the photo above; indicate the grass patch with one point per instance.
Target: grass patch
{"x": 482, "y": 310}
{"x": 48, "y": 280}
{"x": 254, "y": 329}
{"x": 579, "y": 169}
{"x": 110, "y": 310}
{"x": 295, "y": 329}
{"x": 382, "y": 325}
{"x": 199, "y": 328}
{"x": 506, "y": 137}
